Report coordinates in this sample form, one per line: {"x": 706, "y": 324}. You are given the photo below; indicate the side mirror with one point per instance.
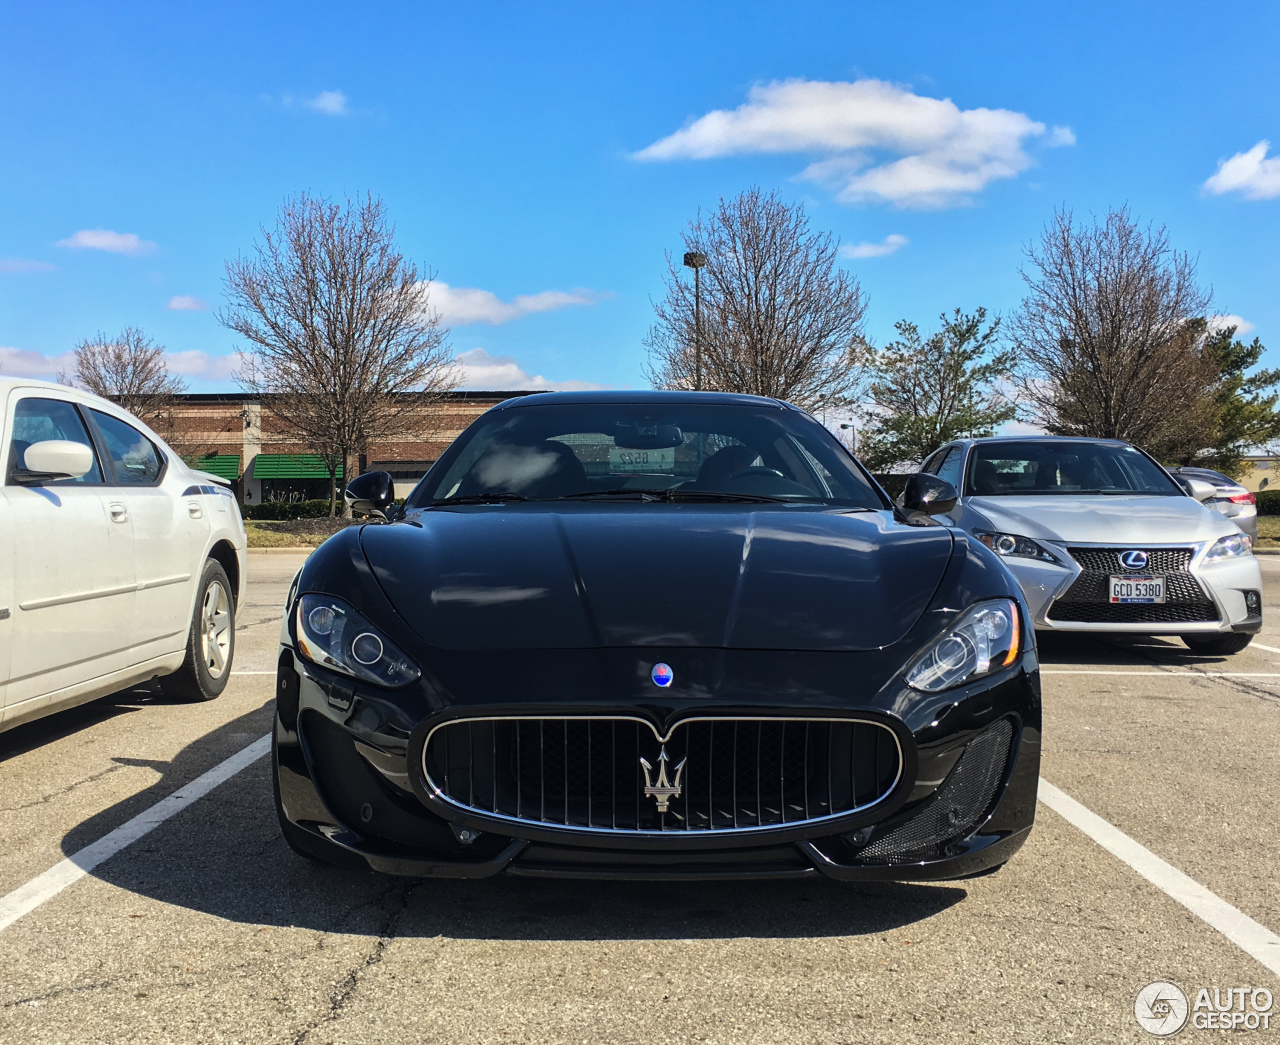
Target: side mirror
{"x": 53, "y": 459}
{"x": 371, "y": 494}
{"x": 1200, "y": 490}
{"x": 928, "y": 494}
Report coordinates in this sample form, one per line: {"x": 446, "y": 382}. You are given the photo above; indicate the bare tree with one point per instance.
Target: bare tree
{"x": 130, "y": 370}
{"x": 343, "y": 340}
{"x": 1106, "y": 337}
{"x": 778, "y": 317}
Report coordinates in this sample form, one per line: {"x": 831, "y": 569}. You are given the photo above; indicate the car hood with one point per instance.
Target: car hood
{"x": 657, "y": 575}
{"x": 1103, "y": 519}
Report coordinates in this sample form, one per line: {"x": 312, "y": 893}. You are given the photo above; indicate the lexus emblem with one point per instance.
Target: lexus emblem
{"x": 1133, "y": 560}
{"x": 662, "y": 789}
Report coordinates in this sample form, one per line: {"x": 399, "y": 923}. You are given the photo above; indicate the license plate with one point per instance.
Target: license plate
{"x": 1137, "y": 589}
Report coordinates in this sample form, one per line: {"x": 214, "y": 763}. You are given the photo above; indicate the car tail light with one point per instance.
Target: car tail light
{"x": 1243, "y": 498}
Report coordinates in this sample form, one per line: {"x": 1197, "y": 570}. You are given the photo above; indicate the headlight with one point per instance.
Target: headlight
{"x": 984, "y": 639}
{"x": 330, "y": 633}
{"x": 1229, "y": 547}
{"x": 1010, "y": 545}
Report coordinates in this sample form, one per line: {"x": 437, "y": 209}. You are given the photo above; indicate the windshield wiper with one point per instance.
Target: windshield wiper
{"x": 672, "y": 495}
{"x": 632, "y": 494}
{"x": 479, "y": 498}
{"x": 715, "y": 495}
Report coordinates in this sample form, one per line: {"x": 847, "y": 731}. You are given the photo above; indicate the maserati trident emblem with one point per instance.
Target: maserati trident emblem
{"x": 1133, "y": 560}
{"x": 662, "y": 790}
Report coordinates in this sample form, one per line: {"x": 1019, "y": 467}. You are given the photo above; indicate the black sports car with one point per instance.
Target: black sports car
{"x": 656, "y": 635}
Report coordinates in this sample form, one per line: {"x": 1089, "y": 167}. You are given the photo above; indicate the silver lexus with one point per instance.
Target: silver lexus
{"x": 1102, "y": 539}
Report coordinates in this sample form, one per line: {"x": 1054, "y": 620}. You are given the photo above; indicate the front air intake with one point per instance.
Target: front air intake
{"x": 616, "y": 774}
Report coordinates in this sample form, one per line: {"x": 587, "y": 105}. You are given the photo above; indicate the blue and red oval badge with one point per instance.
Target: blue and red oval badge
{"x": 662, "y": 675}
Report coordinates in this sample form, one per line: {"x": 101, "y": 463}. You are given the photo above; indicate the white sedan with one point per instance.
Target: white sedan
{"x": 118, "y": 562}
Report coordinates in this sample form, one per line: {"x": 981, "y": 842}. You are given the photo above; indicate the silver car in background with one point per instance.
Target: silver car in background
{"x": 1102, "y": 539}
{"x": 1236, "y": 502}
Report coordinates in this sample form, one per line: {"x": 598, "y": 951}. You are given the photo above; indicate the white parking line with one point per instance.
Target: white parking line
{"x": 1269, "y": 649}
{"x": 26, "y": 898}
{"x": 1251, "y": 937}
{"x": 1189, "y": 673}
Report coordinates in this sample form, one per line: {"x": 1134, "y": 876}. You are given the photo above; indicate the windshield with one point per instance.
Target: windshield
{"x": 1033, "y": 469}
{"x": 642, "y": 451}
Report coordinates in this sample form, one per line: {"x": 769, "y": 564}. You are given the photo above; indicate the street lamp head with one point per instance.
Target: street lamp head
{"x": 695, "y": 259}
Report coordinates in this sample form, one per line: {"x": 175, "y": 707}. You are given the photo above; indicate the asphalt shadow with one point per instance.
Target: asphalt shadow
{"x": 62, "y": 724}
{"x": 224, "y": 856}
{"x": 1066, "y": 649}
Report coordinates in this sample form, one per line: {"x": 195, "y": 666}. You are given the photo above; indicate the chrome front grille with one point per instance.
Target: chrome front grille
{"x": 718, "y": 774}
{"x": 1088, "y": 598}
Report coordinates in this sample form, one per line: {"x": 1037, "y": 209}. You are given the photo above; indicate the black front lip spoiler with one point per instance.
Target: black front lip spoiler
{"x": 977, "y": 853}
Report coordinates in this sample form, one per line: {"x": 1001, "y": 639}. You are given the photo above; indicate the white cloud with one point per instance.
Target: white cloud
{"x": 1250, "y": 173}
{"x": 105, "y": 239}
{"x": 1242, "y": 325}
{"x": 1061, "y": 136}
{"x": 19, "y": 362}
{"x": 889, "y": 245}
{"x": 944, "y": 153}
{"x": 200, "y": 366}
{"x": 24, "y": 265}
{"x": 331, "y": 103}
{"x": 480, "y": 370}
{"x": 186, "y": 303}
{"x": 459, "y": 306}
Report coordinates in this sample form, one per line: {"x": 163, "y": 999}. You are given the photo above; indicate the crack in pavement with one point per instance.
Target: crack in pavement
{"x": 348, "y": 986}
{"x": 36, "y": 999}
{"x": 254, "y": 623}
{"x": 1244, "y": 686}
{"x": 63, "y": 790}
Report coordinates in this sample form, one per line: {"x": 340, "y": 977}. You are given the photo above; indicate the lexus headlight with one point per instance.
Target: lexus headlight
{"x": 984, "y": 639}
{"x": 1231, "y": 547}
{"x": 330, "y": 633}
{"x": 1010, "y": 545}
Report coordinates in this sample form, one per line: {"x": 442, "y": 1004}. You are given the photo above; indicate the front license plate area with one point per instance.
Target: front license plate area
{"x": 1147, "y": 589}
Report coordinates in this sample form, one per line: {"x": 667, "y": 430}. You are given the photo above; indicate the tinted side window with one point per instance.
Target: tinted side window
{"x": 137, "y": 462}
{"x": 35, "y": 420}
{"x": 950, "y": 468}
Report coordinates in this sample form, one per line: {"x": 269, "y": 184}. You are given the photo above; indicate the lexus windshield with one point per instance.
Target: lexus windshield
{"x": 685, "y": 452}
{"x": 1070, "y": 467}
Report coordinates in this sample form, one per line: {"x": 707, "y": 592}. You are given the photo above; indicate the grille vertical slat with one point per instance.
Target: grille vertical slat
{"x": 572, "y": 770}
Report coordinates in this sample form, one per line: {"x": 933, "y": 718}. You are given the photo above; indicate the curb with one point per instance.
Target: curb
{"x": 286, "y": 551}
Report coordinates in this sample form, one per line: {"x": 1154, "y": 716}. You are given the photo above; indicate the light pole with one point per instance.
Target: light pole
{"x": 696, "y": 260}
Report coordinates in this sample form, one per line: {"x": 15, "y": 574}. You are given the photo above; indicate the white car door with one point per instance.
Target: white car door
{"x": 6, "y": 596}
{"x": 71, "y": 607}
{"x": 164, "y": 528}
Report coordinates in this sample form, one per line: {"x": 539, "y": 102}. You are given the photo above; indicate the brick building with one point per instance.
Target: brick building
{"x": 237, "y": 437}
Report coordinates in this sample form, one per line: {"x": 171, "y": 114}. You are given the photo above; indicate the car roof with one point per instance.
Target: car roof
{"x": 9, "y": 383}
{"x": 646, "y": 396}
{"x": 1042, "y": 439}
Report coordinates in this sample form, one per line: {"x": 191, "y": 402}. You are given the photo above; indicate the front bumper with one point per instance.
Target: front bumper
{"x": 1224, "y": 584}
{"x": 346, "y": 785}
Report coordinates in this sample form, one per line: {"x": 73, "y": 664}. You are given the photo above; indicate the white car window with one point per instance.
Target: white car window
{"x": 35, "y": 420}
{"x": 136, "y": 460}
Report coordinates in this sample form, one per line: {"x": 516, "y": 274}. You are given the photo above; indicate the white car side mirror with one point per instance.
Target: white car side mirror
{"x": 1201, "y": 490}
{"x": 57, "y": 459}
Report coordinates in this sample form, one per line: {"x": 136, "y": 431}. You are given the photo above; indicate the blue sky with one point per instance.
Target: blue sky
{"x": 142, "y": 145}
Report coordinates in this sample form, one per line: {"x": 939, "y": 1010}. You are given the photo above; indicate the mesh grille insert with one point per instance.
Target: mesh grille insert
{"x": 956, "y": 807}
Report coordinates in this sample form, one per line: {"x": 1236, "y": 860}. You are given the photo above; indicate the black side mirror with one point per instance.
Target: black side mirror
{"x": 927, "y": 494}
{"x": 371, "y": 494}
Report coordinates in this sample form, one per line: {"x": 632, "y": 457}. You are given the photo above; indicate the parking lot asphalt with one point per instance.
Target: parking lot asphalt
{"x": 210, "y": 929}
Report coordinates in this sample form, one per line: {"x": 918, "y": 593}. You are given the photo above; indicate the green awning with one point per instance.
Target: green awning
{"x": 291, "y": 466}
{"x": 226, "y": 466}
